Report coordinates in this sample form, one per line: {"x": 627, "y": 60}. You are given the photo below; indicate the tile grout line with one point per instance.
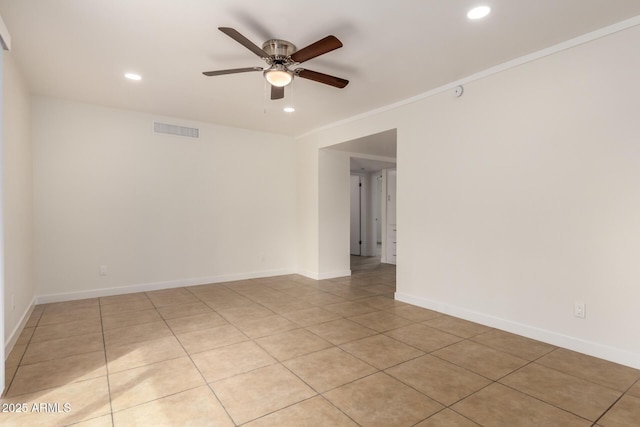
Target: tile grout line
{"x": 564, "y": 373}
{"x": 608, "y": 409}
{"x": 194, "y": 363}
{"x": 8, "y": 387}
{"x": 542, "y": 401}
{"x": 318, "y": 393}
{"x": 530, "y": 362}
{"x": 106, "y": 363}
{"x": 625, "y": 393}
{"x": 497, "y": 381}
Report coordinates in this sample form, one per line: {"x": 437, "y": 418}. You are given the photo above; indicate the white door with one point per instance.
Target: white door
{"x": 356, "y": 227}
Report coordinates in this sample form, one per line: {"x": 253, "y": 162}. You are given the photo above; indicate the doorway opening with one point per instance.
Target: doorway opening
{"x": 372, "y": 213}
{"x": 372, "y": 170}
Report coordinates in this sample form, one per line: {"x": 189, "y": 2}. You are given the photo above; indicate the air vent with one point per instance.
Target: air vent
{"x": 176, "y": 130}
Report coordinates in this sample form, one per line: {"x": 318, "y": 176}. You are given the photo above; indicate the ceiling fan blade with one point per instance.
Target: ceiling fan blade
{"x": 244, "y": 41}
{"x": 231, "y": 71}
{"x": 322, "y": 78}
{"x": 318, "y": 48}
{"x": 277, "y": 92}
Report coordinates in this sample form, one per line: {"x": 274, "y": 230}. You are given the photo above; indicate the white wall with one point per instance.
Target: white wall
{"x": 307, "y": 211}
{"x": 523, "y": 196}
{"x": 19, "y": 285}
{"x": 334, "y": 199}
{"x": 157, "y": 210}
{"x": 356, "y": 214}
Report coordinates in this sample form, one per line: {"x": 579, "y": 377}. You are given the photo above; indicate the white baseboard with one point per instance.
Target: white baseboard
{"x": 323, "y": 276}
{"x": 590, "y": 348}
{"x": 310, "y": 274}
{"x": 11, "y": 340}
{"x": 334, "y": 274}
{"x": 146, "y": 287}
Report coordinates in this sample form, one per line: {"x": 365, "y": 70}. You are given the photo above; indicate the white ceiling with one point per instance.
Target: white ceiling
{"x": 393, "y": 50}
{"x": 370, "y": 153}
{"x": 381, "y": 144}
{"x": 360, "y": 166}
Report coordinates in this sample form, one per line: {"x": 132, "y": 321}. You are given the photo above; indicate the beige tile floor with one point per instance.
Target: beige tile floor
{"x": 290, "y": 351}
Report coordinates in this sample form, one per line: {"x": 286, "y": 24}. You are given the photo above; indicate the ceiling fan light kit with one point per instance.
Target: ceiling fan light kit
{"x": 278, "y": 76}
{"x": 280, "y": 55}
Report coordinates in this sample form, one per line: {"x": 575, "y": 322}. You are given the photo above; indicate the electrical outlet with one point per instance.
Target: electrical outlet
{"x": 579, "y": 310}
{"x": 103, "y": 270}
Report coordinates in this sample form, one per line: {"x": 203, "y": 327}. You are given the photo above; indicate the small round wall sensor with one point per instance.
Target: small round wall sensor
{"x": 457, "y": 92}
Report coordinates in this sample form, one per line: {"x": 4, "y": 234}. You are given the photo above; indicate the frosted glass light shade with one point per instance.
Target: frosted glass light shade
{"x": 278, "y": 78}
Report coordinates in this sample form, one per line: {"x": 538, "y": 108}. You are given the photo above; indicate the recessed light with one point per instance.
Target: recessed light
{"x": 478, "y": 12}
{"x": 288, "y": 109}
{"x": 133, "y": 76}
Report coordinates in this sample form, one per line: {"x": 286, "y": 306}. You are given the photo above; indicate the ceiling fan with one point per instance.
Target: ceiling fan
{"x": 280, "y": 55}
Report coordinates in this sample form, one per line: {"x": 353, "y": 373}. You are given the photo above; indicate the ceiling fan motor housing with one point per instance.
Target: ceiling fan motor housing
{"x": 278, "y": 49}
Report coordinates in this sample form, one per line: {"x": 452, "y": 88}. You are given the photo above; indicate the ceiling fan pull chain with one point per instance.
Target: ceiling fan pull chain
{"x": 267, "y": 89}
